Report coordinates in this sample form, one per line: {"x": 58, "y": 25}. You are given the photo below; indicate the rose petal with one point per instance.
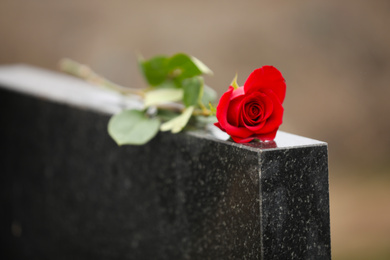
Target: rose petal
{"x": 222, "y": 110}
{"x": 252, "y": 113}
{"x": 257, "y": 127}
{"x": 267, "y": 77}
{"x": 276, "y": 118}
{"x": 267, "y": 106}
{"x": 242, "y": 140}
{"x": 268, "y": 136}
{"x": 237, "y": 92}
{"x": 234, "y": 110}
{"x": 248, "y": 116}
{"x": 219, "y": 126}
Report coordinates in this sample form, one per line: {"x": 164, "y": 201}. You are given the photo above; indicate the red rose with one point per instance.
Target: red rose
{"x": 253, "y": 111}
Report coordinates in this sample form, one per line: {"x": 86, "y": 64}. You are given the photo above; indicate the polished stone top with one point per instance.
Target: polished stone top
{"x": 66, "y": 89}
{"x": 63, "y": 88}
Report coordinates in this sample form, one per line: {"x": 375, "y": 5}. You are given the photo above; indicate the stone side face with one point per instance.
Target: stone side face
{"x": 73, "y": 193}
{"x": 295, "y": 203}
{"x": 69, "y": 192}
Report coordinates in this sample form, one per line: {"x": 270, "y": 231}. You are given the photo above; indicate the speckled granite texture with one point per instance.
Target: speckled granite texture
{"x": 68, "y": 192}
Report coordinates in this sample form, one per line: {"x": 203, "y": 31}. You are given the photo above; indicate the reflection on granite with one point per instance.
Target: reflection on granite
{"x": 68, "y": 192}
{"x": 262, "y": 145}
{"x": 282, "y": 140}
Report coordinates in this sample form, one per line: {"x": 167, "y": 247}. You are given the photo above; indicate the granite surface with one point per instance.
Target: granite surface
{"x": 68, "y": 192}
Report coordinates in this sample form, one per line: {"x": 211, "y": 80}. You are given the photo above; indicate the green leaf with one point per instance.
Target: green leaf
{"x": 166, "y": 115}
{"x": 167, "y": 84}
{"x": 176, "y": 124}
{"x": 132, "y": 127}
{"x": 163, "y": 95}
{"x": 161, "y": 69}
{"x": 155, "y": 70}
{"x": 201, "y": 66}
{"x": 183, "y": 66}
{"x": 209, "y": 95}
{"x": 193, "y": 90}
{"x": 234, "y": 83}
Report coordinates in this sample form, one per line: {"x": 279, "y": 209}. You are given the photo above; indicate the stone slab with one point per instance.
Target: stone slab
{"x": 68, "y": 192}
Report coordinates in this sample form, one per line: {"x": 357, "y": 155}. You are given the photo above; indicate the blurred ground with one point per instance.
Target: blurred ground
{"x": 334, "y": 54}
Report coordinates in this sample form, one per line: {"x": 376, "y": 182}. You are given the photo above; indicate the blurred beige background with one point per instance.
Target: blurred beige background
{"x": 335, "y": 56}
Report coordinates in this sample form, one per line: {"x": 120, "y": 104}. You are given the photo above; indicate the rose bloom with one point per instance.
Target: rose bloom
{"x": 253, "y": 111}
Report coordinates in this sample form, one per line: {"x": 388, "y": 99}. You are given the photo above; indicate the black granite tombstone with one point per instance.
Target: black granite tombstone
{"x": 68, "y": 192}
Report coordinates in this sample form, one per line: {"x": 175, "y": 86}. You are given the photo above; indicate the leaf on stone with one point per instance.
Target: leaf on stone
{"x": 166, "y": 115}
{"x": 183, "y": 66}
{"x": 209, "y": 95}
{"x": 167, "y": 84}
{"x": 161, "y": 69}
{"x": 176, "y": 124}
{"x": 201, "y": 66}
{"x": 193, "y": 91}
{"x": 155, "y": 70}
{"x": 132, "y": 127}
{"x": 162, "y": 96}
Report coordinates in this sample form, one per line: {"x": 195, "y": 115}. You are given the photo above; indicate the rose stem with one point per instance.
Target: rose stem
{"x": 84, "y": 72}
